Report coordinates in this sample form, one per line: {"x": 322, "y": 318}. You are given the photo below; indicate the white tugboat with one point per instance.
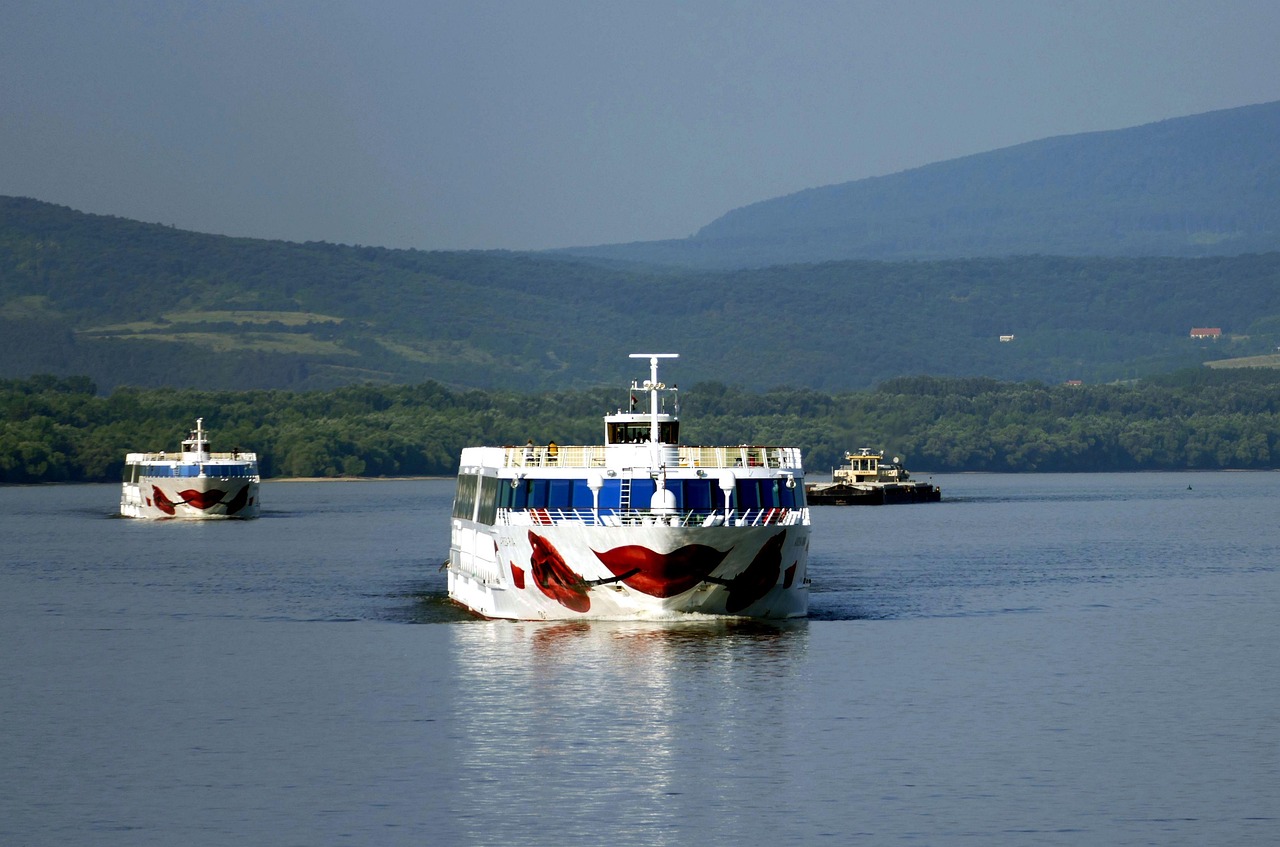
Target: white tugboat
{"x": 193, "y": 484}
{"x": 637, "y": 527}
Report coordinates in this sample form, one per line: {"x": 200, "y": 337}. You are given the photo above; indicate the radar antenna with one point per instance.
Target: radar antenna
{"x": 653, "y": 386}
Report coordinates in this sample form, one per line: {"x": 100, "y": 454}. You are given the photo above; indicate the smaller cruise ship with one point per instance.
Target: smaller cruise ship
{"x": 193, "y": 484}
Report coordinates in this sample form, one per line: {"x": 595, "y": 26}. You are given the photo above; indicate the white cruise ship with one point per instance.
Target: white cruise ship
{"x": 639, "y": 527}
{"x": 193, "y": 484}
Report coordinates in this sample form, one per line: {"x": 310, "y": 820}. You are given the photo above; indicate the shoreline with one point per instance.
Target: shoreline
{"x": 809, "y": 476}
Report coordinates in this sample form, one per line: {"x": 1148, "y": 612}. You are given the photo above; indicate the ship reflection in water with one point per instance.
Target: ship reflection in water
{"x": 623, "y": 720}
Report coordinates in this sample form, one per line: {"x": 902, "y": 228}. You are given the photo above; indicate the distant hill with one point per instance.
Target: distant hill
{"x": 1203, "y": 185}
{"x": 147, "y": 305}
{"x": 128, "y": 303}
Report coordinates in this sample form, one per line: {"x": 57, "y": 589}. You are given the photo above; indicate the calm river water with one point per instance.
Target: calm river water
{"x": 1084, "y": 659}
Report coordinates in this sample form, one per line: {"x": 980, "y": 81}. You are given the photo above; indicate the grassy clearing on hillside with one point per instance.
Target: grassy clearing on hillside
{"x": 452, "y": 352}
{"x": 1269, "y": 361}
{"x": 28, "y": 307}
{"x": 241, "y": 317}
{"x": 267, "y": 342}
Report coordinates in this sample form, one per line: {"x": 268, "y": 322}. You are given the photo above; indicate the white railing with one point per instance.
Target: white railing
{"x": 648, "y": 517}
{"x": 176, "y": 456}
{"x": 745, "y": 456}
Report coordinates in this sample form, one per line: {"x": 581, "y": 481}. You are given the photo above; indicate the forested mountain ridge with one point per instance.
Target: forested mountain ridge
{"x": 1208, "y": 184}
{"x": 146, "y": 304}
{"x": 128, "y": 303}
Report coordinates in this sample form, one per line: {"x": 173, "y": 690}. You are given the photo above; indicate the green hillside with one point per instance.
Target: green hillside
{"x": 128, "y": 303}
{"x": 1203, "y": 185}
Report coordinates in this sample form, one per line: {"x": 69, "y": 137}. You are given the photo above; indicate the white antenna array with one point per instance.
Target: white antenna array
{"x": 653, "y": 386}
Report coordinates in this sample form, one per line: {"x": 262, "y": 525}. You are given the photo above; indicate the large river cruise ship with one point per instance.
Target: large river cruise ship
{"x": 640, "y": 526}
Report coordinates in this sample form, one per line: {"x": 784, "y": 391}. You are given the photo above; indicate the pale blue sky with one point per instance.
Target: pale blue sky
{"x": 410, "y": 123}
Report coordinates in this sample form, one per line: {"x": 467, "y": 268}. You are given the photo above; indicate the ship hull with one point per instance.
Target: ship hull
{"x": 872, "y": 494}
{"x": 577, "y": 571}
{"x": 190, "y": 498}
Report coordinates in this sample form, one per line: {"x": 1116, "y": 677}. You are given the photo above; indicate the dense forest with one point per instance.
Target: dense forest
{"x": 144, "y": 305}
{"x": 61, "y": 429}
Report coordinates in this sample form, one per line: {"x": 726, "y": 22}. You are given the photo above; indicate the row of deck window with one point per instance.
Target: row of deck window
{"x": 132, "y": 472}
{"x": 691, "y": 495}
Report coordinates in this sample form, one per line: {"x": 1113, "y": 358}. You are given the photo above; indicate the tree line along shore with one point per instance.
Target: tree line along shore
{"x": 58, "y": 429}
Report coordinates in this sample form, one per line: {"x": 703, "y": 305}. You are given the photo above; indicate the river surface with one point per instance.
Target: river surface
{"x": 1046, "y": 659}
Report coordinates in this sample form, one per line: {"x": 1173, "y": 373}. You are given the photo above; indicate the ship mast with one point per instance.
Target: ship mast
{"x": 195, "y": 448}
{"x": 653, "y": 387}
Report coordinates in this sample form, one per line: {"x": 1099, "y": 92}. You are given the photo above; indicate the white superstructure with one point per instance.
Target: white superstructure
{"x": 192, "y": 484}
{"x": 637, "y": 527}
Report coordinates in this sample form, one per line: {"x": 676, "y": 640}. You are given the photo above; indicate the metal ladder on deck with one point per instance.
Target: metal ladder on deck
{"x": 624, "y": 495}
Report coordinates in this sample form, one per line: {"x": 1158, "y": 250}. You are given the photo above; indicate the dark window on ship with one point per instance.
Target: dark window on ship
{"x": 748, "y": 494}
{"x": 537, "y": 492}
{"x": 464, "y": 500}
{"x": 582, "y": 498}
{"x": 629, "y": 433}
{"x": 610, "y": 494}
{"x": 507, "y": 495}
{"x": 560, "y": 494}
{"x": 490, "y": 490}
{"x": 692, "y": 495}
{"x": 638, "y": 433}
{"x": 699, "y": 495}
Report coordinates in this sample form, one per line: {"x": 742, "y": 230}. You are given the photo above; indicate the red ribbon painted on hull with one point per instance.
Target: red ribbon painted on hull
{"x": 555, "y": 578}
{"x": 656, "y": 574}
{"x": 200, "y": 499}
{"x": 662, "y": 574}
{"x": 760, "y": 576}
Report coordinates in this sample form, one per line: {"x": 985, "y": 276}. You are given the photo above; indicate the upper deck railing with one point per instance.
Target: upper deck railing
{"x": 649, "y": 517}
{"x": 598, "y": 456}
{"x": 177, "y": 456}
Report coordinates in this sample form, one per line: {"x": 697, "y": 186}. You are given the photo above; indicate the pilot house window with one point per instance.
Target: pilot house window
{"x": 638, "y": 432}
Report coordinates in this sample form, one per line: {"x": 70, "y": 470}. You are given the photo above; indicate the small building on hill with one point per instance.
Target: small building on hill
{"x": 1206, "y": 332}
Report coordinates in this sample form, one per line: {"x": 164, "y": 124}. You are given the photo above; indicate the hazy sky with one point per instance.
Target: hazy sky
{"x": 442, "y": 125}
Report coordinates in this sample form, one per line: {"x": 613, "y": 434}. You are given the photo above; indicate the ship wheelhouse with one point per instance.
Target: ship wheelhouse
{"x": 635, "y": 429}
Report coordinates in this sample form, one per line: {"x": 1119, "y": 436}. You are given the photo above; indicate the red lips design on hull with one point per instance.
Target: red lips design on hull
{"x": 760, "y": 576}
{"x": 200, "y": 499}
{"x": 555, "y": 578}
{"x": 656, "y": 574}
{"x": 238, "y": 502}
{"x": 662, "y": 574}
{"x": 162, "y": 502}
